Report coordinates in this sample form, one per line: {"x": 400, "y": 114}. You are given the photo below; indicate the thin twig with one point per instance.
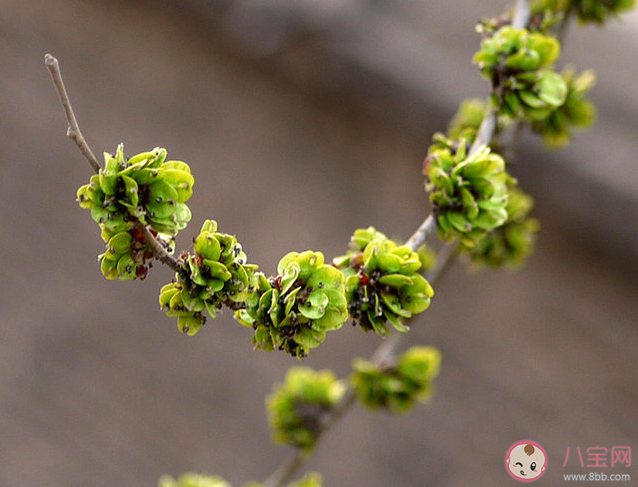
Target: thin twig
{"x": 73, "y": 130}
{"x": 159, "y": 252}
{"x": 286, "y": 470}
{"x": 521, "y": 15}
{"x": 419, "y": 237}
{"x": 486, "y": 129}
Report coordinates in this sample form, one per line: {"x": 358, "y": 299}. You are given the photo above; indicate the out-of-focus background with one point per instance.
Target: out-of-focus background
{"x": 301, "y": 122}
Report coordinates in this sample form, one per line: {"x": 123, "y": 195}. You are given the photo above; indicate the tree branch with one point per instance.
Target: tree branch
{"x": 386, "y": 351}
{"x": 486, "y": 130}
{"x": 420, "y": 236}
{"x": 384, "y": 354}
{"x": 159, "y": 252}
{"x": 73, "y": 130}
{"x": 520, "y": 19}
{"x": 286, "y": 470}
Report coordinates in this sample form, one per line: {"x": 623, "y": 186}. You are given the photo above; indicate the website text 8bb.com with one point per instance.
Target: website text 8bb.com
{"x": 597, "y": 477}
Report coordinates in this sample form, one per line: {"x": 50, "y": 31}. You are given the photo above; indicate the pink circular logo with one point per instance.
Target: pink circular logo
{"x": 526, "y": 461}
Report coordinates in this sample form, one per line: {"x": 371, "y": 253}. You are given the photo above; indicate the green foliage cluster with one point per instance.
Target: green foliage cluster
{"x": 127, "y": 254}
{"x": 146, "y": 189}
{"x": 587, "y": 11}
{"x": 576, "y": 111}
{"x": 298, "y": 407}
{"x": 294, "y": 310}
{"x": 519, "y": 65}
{"x": 396, "y": 388}
{"x": 377, "y": 281}
{"x": 512, "y": 242}
{"x": 468, "y": 191}
{"x": 599, "y": 10}
{"x": 383, "y": 283}
{"x": 216, "y": 274}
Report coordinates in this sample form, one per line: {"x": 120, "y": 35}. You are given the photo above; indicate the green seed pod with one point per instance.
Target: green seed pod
{"x": 182, "y": 181}
{"x": 126, "y": 267}
{"x": 88, "y": 196}
{"x": 208, "y": 246}
{"x": 179, "y": 165}
{"x": 120, "y": 243}
{"x": 129, "y": 190}
{"x": 108, "y": 265}
{"x": 116, "y": 222}
{"x": 382, "y": 283}
{"x": 150, "y": 159}
{"x": 296, "y": 407}
{"x": 362, "y": 237}
{"x": 161, "y": 191}
{"x": 177, "y": 301}
{"x": 190, "y": 325}
{"x": 167, "y": 292}
{"x": 108, "y": 175}
{"x": 99, "y": 214}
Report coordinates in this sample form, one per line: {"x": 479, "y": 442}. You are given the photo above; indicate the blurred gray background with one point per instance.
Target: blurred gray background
{"x": 301, "y": 120}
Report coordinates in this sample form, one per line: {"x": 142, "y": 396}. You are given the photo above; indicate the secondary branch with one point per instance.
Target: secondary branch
{"x": 386, "y": 351}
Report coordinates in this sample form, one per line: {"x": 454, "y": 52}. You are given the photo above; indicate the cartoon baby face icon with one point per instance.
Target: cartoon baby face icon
{"x": 526, "y": 461}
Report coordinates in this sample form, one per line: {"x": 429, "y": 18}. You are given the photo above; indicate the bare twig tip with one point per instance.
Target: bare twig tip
{"x": 73, "y": 130}
{"x": 49, "y": 60}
